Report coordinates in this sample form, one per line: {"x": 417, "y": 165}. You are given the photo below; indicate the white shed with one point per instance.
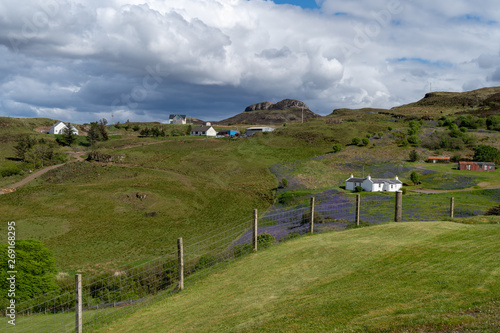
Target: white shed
{"x": 58, "y": 128}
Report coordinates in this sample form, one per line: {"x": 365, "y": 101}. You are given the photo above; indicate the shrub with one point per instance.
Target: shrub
{"x": 456, "y": 158}
{"x": 284, "y": 181}
{"x": 414, "y": 140}
{"x": 403, "y": 189}
{"x": 292, "y": 235}
{"x": 365, "y": 141}
{"x": 10, "y": 170}
{"x": 265, "y": 240}
{"x": 337, "y": 147}
{"x": 414, "y": 177}
{"x": 356, "y": 141}
{"x": 358, "y": 189}
{"x": 484, "y": 153}
{"x": 414, "y": 156}
{"x": 493, "y": 211}
{"x": 35, "y": 266}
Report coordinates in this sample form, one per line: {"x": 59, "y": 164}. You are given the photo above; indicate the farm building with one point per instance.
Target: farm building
{"x": 438, "y": 159}
{"x": 58, "y": 128}
{"x": 179, "y": 119}
{"x": 252, "y": 130}
{"x": 476, "y": 166}
{"x": 370, "y": 184}
{"x": 204, "y": 131}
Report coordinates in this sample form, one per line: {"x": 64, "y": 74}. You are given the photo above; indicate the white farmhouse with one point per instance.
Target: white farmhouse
{"x": 370, "y": 184}
{"x": 58, "y": 128}
{"x": 204, "y": 131}
{"x": 179, "y": 119}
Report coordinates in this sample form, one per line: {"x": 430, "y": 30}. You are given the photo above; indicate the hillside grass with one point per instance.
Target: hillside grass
{"x": 411, "y": 277}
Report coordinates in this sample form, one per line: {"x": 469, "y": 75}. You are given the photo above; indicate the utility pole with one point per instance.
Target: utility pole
{"x": 302, "y": 114}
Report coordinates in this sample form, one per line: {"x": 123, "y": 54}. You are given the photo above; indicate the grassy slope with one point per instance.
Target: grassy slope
{"x": 410, "y": 277}
{"x": 88, "y": 214}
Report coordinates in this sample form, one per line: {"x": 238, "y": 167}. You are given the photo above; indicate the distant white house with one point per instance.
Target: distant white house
{"x": 204, "y": 131}
{"x": 58, "y": 128}
{"x": 252, "y": 130}
{"x": 179, "y": 119}
{"x": 370, "y": 184}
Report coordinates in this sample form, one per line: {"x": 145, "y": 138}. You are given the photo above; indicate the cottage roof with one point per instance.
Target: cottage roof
{"x": 172, "y": 116}
{"x": 478, "y": 163}
{"x": 355, "y": 180}
{"x": 201, "y": 129}
{"x": 374, "y": 180}
{"x": 439, "y": 158}
{"x": 389, "y": 181}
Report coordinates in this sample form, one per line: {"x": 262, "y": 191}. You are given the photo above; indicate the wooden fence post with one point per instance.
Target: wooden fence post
{"x": 255, "y": 223}
{"x": 398, "y": 216}
{"x": 180, "y": 255}
{"x": 358, "y": 206}
{"x": 311, "y": 226}
{"x": 78, "y": 304}
{"x": 452, "y": 206}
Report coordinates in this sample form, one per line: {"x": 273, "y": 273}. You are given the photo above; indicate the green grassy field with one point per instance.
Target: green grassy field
{"x": 411, "y": 277}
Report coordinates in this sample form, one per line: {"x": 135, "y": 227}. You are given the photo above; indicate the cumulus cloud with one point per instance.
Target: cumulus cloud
{"x": 144, "y": 59}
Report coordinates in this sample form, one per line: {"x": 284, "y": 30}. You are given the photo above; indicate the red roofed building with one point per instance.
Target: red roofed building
{"x": 438, "y": 159}
{"x": 476, "y": 166}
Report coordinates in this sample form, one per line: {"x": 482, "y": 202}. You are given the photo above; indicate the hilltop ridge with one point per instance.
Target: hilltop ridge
{"x": 268, "y": 113}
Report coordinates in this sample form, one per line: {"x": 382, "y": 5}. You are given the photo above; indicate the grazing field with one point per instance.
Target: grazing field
{"x": 411, "y": 277}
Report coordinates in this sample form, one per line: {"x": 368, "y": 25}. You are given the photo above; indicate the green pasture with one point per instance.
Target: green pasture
{"x": 412, "y": 277}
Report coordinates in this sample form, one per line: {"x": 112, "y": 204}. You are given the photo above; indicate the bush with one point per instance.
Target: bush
{"x": 456, "y": 158}
{"x": 358, "y": 189}
{"x": 365, "y": 141}
{"x": 337, "y": 147}
{"x": 484, "y": 153}
{"x": 284, "y": 181}
{"x": 10, "y": 170}
{"x": 35, "y": 266}
{"x": 265, "y": 240}
{"x": 493, "y": 211}
{"x": 403, "y": 189}
{"x": 356, "y": 141}
{"x": 414, "y": 177}
{"x": 414, "y": 156}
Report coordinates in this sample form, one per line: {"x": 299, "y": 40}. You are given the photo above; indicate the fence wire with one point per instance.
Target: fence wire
{"x": 111, "y": 295}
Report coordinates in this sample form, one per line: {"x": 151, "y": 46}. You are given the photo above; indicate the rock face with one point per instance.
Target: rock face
{"x": 259, "y": 106}
{"x": 283, "y": 105}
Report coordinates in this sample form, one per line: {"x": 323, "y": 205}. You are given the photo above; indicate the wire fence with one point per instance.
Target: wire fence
{"x": 111, "y": 295}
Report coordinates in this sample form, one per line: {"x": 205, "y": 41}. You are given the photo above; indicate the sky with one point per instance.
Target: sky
{"x": 142, "y": 60}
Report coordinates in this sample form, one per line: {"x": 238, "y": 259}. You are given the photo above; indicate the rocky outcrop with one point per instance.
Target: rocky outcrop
{"x": 259, "y": 106}
{"x": 283, "y": 105}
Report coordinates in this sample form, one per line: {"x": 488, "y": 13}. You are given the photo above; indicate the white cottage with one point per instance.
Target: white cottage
{"x": 204, "y": 131}
{"x": 58, "y": 128}
{"x": 370, "y": 184}
{"x": 179, "y": 119}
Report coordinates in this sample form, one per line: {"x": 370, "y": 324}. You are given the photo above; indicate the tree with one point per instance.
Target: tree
{"x": 68, "y": 134}
{"x": 337, "y": 147}
{"x": 356, "y": 141}
{"x": 484, "y": 153}
{"x": 365, "y": 141}
{"x": 35, "y": 268}
{"x": 414, "y": 156}
{"x": 38, "y": 154}
{"x": 24, "y": 144}
{"x": 414, "y": 177}
{"x": 94, "y": 133}
{"x": 103, "y": 130}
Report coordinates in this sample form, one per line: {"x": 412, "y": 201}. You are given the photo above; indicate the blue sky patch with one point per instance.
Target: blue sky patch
{"x": 301, "y": 3}
{"x": 441, "y": 64}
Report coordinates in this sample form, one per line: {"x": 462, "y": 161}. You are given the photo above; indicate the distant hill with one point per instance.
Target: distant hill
{"x": 480, "y": 102}
{"x": 268, "y": 113}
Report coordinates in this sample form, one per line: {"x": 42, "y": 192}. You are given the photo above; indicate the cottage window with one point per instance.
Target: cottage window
{"x": 468, "y": 166}
{"x": 485, "y": 167}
